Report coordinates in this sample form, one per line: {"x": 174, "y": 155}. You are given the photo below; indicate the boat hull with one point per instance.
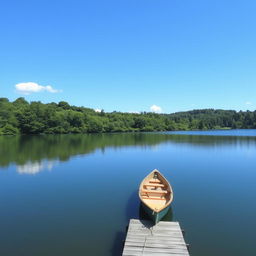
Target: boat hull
{"x": 155, "y": 216}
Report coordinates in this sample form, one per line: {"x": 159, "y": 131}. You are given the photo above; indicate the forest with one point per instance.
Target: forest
{"x": 23, "y": 117}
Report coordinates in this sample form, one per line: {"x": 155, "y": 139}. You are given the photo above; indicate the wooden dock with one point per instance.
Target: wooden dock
{"x": 163, "y": 239}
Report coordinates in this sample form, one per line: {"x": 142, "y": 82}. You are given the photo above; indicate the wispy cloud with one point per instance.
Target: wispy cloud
{"x": 31, "y": 87}
{"x": 248, "y": 103}
{"x": 156, "y": 109}
{"x": 97, "y": 110}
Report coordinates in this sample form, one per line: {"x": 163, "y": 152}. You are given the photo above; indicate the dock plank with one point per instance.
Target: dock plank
{"x": 162, "y": 239}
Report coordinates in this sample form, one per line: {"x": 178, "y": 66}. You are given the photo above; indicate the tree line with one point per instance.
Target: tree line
{"x": 22, "y": 117}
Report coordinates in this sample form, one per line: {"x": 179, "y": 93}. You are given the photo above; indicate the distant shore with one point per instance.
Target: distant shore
{"x": 22, "y": 117}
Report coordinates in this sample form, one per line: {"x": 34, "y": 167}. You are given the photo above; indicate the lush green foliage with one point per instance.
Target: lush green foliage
{"x": 23, "y": 117}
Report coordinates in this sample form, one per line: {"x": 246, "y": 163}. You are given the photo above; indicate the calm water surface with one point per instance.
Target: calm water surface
{"x": 74, "y": 194}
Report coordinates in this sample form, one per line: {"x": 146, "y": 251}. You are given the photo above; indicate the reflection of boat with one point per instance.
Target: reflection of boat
{"x": 145, "y": 216}
{"x": 156, "y": 195}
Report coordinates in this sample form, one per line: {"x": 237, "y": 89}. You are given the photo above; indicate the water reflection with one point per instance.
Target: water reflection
{"x": 133, "y": 206}
{"x": 25, "y": 150}
{"x": 92, "y": 198}
{"x": 33, "y": 168}
{"x": 144, "y": 216}
{"x": 118, "y": 244}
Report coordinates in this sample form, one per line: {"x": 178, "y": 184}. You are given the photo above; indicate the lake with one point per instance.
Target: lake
{"x": 74, "y": 194}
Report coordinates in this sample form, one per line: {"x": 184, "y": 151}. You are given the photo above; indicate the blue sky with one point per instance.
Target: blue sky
{"x": 128, "y": 55}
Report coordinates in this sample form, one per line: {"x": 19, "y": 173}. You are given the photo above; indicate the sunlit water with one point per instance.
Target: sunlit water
{"x": 74, "y": 194}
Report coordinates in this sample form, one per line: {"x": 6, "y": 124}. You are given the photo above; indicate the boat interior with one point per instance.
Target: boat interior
{"x": 155, "y": 191}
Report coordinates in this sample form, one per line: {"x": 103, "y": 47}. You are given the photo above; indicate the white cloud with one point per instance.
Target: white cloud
{"x": 156, "y": 109}
{"x": 31, "y": 87}
{"x": 248, "y": 103}
{"x": 97, "y": 110}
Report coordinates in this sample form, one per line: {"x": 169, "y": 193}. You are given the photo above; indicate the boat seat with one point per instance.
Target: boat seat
{"x": 154, "y": 191}
{"x": 154, "y": 185}
{"x": 155, "y": 181}
{"x": 154, "y": 198}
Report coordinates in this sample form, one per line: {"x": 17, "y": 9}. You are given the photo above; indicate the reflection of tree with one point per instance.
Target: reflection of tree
{"x": 208, "y": 140}
{"x": 22, "y": 149}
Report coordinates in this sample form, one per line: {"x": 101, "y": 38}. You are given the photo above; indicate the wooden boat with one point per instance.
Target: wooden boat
{"x": 156, "y": 195}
